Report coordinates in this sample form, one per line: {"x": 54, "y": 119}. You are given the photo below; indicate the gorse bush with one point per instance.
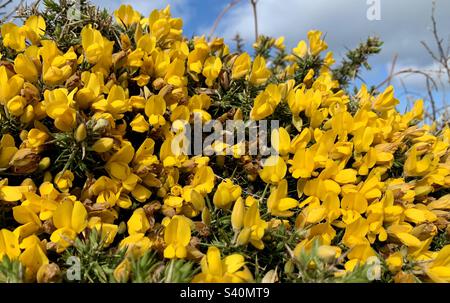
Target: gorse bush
{"x": 355, "y": 191}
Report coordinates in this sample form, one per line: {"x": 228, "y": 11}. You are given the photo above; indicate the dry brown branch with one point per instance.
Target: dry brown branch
{"x": 5, "y": 13}
{"x": 435, "y": 81}
{"x": 442, "y": 56}
{"x": 4, "y": 4}
{"x": 407, "y": 71}
{"x": 391, "y": 72}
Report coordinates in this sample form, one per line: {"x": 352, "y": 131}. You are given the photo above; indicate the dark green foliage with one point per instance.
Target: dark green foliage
{"x": 9, "y": 124}
{"x": 355, "y": 59}
{"x": 440, "y": 240}
{"x": 179, "y": 271}
{"x": 97, "y": 261}
{"x": 146, "y": 269}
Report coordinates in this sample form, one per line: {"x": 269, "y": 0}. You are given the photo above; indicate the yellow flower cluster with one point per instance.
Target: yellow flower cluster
{"x": 351, "y": 173}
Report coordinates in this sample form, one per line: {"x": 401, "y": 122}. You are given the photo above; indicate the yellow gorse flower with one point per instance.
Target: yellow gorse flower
{"x": 274, "y": 170}
{"x": 70, "y": 219}
{"x": 265, "y": 103}
{"x": 33, "y": 256}
{"x": 7, "y": 150}
{"x": 253, "y": 227}
{"x": 438, "y": 270}
{"x": 9, "y": 244}
{"x": 259, "y": 73}
{"x": 35, "y": 28}
{"x": 127, "y": 16}
{"x": 13, "y": 36}
{"x": 10, "y": 86}
{"x": 56, "y": 65}
{"x": 226, "y": 194}
{"x": 241, "y": 66}
{"x": 231, "y": 269}
{"x": 278, "y": 203}
{"x": 177, "y": 235}
{"x": 58, "y": 105}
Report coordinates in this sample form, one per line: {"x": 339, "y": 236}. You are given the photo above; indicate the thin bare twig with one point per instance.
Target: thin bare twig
{"x": 407, "y": 71}
{"x": 391, "y": 72}
{"x": 442, "y": 56}
{"x": 430, "y": 85}
{"x": 430, "y": 95}
{"x": 435, "y": 81}
{"x": 4, "y": 4}
{"x": 227, "y": 8}
{"x": 255, "y": 17}
{"x": 220, "y": 16}
{"x": 7, "y": 15}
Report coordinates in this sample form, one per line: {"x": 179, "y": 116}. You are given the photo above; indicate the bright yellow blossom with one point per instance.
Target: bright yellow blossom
{"x": 70, "y": 219}
{"x": 177, "y": 236}
{"x": 231, "y": 269}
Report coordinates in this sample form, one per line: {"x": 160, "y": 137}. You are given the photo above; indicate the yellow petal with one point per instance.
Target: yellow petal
{"x": 214, "y": 261}
{"x": 233, "y": 263}
{"x": 10, "y": 193}
{"x": 79, "y": 217}
{"x": 62, "y": 216}
{"x": 408, "y": 239}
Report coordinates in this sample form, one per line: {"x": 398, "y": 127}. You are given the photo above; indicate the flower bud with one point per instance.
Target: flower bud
{"x": 327, "y": 253}
{"x": 238, "y": 115}
{"x": 289, "y": 267}
{"x": 270, "y": 277}
{"x": 251, "y": 177}
{"x": 30, "y": 183}
{"x": 48, "y": 177}
{"x": 24, "y": 161}
{"x": 122, "y": 271}
{"x": 23, "y": 135}
{"x": 103, "y": 145}
{"x": 237, "y": 216}
{"x": 100, "y": 125}
{"x": 206, "y": 216}
{"x": 49, "y": 273}
{"x": 81, "y": 133}
{"x": 162, "y": 192}
{"x": 44, "y": 164}
{"x": 158, "y": 83}
{"x": 122, "y": 228}
{"x": 395, "y": 262}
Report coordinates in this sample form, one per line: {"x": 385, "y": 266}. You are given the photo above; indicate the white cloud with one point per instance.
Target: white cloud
{"x": 403, "y": 24}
